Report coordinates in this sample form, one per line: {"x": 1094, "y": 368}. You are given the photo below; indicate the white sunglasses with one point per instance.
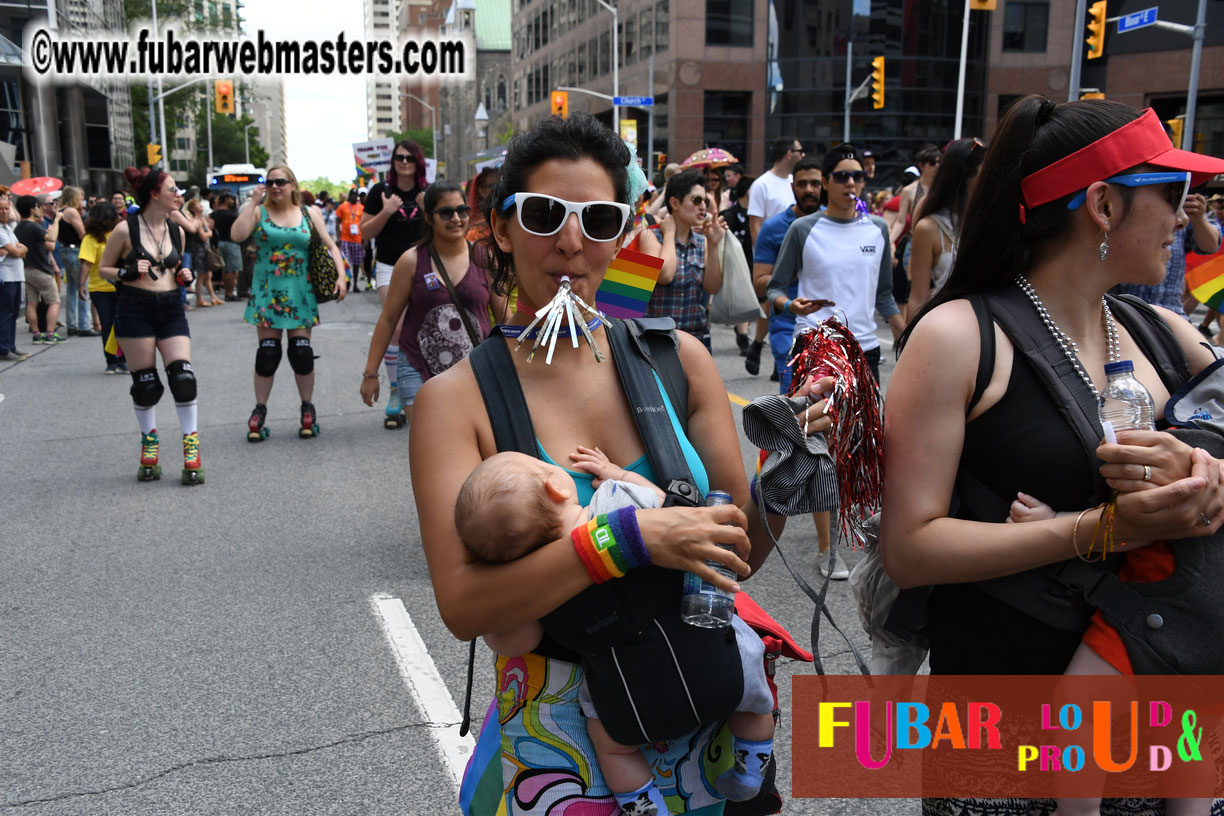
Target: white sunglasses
{"x": 544, "y": 215}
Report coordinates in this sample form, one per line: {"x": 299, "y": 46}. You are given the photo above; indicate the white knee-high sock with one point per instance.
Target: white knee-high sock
{"x": 391, "y": 361}
{"x": 187, "y": 416}
{"x": 147, "y": 417}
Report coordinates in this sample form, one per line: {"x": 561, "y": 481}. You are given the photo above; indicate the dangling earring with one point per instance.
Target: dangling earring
{"x": 1104, "y": 250}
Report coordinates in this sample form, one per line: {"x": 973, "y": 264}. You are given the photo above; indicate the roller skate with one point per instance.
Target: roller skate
{"x": 310, "y": 422}
{"x": 149, "y": 469}
{"x": 256, "y": 432}
{"x": 395, "y": 411}
{"x": 193, "y": 471}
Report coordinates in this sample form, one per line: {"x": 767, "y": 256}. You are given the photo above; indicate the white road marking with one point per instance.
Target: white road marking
{"x": 422, "y": 678}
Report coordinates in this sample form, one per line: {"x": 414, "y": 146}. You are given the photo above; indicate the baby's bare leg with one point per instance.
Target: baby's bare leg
{"x": 749, "y": 726}
{"x": 1084, "y": 661}
{"x": 624, "y": 767}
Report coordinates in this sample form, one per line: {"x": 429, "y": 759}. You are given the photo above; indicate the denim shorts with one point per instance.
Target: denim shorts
{"x": 231, "y": 254}
{"x": 141, "y": 313}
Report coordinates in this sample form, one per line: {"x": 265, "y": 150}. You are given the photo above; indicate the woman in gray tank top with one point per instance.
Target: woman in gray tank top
{"x": 933, "y": 247}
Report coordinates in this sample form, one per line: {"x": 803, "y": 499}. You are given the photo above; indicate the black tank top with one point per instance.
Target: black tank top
{"x": 173, "y": 257}
{"x": 68, "y": 236}
{"x": 1021, "y": 443}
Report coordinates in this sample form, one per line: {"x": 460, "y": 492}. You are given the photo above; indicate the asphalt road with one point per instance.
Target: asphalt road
{"x": 217, "y": 649}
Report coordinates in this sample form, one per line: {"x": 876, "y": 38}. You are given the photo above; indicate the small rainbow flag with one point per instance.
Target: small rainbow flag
{"x": 1206, "y": 279}
{"x": 627, "y": 285}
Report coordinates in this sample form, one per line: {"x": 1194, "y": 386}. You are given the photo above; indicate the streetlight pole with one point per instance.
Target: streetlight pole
{"x": 433, "y": 120}
{"x": 246, "y": 136}
{"x": 615, "y": 68}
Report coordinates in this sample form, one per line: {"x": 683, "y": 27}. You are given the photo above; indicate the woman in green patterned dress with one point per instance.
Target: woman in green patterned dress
{"x": 282, "y": 299}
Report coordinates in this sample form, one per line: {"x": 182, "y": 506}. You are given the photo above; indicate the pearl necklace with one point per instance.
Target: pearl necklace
{"x": 1069, "y": 346}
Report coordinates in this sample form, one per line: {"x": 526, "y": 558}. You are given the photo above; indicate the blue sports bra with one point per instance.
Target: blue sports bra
{"x": 642, "y": 465}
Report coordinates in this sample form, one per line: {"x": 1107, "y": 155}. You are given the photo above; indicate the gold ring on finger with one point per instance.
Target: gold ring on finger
{"x": 1147, "y": 473}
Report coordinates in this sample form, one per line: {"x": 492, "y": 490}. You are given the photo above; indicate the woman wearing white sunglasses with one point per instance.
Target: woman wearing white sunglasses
{"x": 557, "y": 212}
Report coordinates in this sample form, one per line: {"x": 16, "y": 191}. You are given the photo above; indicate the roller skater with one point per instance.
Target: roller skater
{"x": 144, "y": 253}
{"x": 396, "y": 418}
{"x": 256, "y": 432}
{"x": 283, "y": 307}
{"x": 193, "y": 471}
{"x": 149, "y": 469}
{"x": 310, "y": 421}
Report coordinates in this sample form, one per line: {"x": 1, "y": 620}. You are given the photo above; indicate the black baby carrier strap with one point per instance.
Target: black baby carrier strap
{"x": 650, "y": 675}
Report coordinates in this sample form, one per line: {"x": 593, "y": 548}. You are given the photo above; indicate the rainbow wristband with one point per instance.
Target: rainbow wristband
{"x": 610, "y": 545}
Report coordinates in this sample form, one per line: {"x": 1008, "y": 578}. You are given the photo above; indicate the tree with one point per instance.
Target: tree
{"x": 337, "y": 189}
{"x": 184, "y": 16}
{"x": 229, "y": 142}
{"x": 423, "y": 137}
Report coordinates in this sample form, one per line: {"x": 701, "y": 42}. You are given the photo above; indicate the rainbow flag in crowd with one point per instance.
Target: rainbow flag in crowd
{"x": 626, "y": 287}
{"x": 1205, "y": 277}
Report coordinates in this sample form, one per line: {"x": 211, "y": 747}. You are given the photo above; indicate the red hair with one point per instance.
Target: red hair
{"x": 142, "y": 183}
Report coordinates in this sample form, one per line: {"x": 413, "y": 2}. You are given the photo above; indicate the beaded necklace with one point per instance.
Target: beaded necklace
{"x": 1069, "y": 346}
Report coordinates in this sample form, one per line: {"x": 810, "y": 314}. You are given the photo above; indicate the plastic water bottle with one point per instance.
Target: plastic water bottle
{"x": 1125, "y": 403}
{"x": 702, "y": 603}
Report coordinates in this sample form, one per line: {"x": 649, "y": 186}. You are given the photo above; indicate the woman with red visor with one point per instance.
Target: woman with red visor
{"x": 1072, "y": 200}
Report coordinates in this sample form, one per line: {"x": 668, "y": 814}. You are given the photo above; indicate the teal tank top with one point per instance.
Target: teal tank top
{"x": 642, "y": 466}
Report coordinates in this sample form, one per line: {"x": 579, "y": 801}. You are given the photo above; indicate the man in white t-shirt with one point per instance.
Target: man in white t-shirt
{"x": 12, "y": 278}
{"x": 771, "y": 193}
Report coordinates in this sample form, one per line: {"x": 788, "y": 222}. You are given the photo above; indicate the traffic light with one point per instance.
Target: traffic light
{"x": 877, "y": 82}
{"x": 1093, "y": 94}
{"x": 1096, "y": 29}
{"x": 154, "y": 154}
{"x": 982, "y": 5}
{"x": 1177, "y": 126}
{"x": 560, "y": 103}
{"x": 660, "y": 161}
{"x": 223, "y": 91}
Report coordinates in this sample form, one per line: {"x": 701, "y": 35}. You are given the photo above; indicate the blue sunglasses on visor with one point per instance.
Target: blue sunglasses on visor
{"x": 1176, "y": 195}
{"x": 542, "y": 214}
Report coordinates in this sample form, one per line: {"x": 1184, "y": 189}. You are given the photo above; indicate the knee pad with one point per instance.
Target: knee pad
{"x": 182, "y": 380}
{"x": 268, "y": 356}
{"x": 147, "y": 388}
{"x": 301, "y": 356}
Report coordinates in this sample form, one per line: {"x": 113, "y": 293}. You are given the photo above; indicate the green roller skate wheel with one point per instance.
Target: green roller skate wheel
{"x": 193, "y": 477}
{"x": 149, "y": 473}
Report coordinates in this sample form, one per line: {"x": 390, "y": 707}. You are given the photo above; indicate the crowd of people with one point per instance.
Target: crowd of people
{"x": 462, "y": 270}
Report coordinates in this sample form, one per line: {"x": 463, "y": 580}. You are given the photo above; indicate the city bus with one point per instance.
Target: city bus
{"x": 239, "y": 179}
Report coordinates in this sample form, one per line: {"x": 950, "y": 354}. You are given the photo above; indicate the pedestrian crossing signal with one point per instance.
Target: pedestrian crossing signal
{"x": 224, "y": 93}
{"x": 153, "y": 153}
{"x": 1096, "y": 29}
{"x": 877, "y": 82}
{"x": 560, "y": 103}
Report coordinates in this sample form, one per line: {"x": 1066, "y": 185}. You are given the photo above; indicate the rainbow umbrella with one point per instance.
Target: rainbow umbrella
{"x": 709, "y": 157}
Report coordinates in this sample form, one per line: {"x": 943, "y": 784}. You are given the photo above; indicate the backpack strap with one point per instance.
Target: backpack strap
{"x": 1013, "y": 311}
{"x": 1154, "y": 337}
{"x": 503, "y": 397}
{"x": 639, "y": 350}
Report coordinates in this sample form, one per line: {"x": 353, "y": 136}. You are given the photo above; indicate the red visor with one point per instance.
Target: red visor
{"x": 1142, "y": 141}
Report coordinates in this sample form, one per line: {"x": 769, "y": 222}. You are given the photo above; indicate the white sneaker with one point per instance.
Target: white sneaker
{"x": 840, "y": 573}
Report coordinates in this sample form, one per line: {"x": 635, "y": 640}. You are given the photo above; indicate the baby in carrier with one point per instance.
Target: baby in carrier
{"x": 1102, "y": 650}
{"x": 512, "y": 504}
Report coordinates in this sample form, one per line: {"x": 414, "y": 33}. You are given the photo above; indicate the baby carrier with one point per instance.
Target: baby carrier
{"x": 651, "y": 676}
{"x": 1160, "y": 621}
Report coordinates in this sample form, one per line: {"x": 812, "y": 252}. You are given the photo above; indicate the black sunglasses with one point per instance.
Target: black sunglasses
{"x": 279, "y": 182}
{"x": 447, "y": 213}
{"x": 404, "y": 157}
{"x": 698, "y": 201}
{"x": 845, "y": 176}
